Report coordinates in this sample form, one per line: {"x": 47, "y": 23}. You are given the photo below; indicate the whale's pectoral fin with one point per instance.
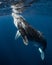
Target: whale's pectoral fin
{"x": 42, "y": 53}
{"x": 24, "y": 37}
{"x": 17, "y": 34}
{"x": 25, "y": 40}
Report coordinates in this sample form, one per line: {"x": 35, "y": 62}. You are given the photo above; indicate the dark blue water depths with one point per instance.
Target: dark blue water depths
{"x": 14, "y": 52}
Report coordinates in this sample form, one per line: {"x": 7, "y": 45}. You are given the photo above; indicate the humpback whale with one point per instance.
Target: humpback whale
{"x": 28, "y": 33}
{"x": 24, "y": 29}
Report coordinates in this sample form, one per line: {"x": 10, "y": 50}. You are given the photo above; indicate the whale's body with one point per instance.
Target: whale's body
{"x": 28, "y": 33}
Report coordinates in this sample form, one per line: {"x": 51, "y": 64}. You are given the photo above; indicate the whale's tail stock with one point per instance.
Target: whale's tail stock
{"x": 42, "y": 48}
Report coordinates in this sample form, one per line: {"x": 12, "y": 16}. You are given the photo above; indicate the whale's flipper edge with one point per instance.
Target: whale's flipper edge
{"x": 17, "y": 35}
{"x": 42, "y": 53}
{"x": 25, "y": 40}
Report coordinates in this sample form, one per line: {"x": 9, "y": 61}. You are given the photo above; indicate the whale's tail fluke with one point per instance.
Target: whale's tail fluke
{"x": 42, "y": 53}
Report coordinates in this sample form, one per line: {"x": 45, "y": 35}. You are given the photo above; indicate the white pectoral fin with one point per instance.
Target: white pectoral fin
{"x": 25, "y": 40}
{"x": 17, "y": 34}
{"x": 42, "y": 53}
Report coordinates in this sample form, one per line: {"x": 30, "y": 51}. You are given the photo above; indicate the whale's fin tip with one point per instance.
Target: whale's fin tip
{"x": 42, "y": 54}
{"x": 17, "y": 35}
{"x": 25, "y": 40}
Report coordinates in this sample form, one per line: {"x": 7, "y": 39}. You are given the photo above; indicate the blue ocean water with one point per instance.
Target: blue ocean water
{"x": 14, "y": 52}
